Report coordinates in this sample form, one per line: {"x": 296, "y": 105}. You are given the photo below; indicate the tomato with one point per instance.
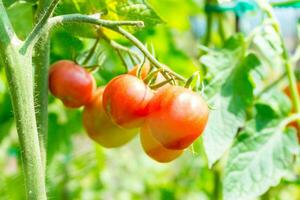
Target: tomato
{"x": 125, "y": 100}
{"x": 293, "y": 124}
{"x": 99, "y": 126}
{"x": 177, "y": 116}
{"x": 154, "y": 149}
{"x": 72, "y": 84}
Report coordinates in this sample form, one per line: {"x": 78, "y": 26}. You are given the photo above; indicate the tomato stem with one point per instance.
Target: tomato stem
{"x": 91, "y": 51}
{"x": 286, "y": 59}
{"x": 19, "y": 71}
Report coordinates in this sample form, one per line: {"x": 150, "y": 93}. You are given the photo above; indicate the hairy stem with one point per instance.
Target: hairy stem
{"x": 19, "y": 75}
{"x": 41, "y": 63}
{"x": 39, "y": 26}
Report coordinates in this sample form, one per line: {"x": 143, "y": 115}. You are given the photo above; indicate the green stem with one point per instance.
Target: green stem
{"x": 91, "y": 52}
{"x": 209, "y": 22}
{"x": 285, "y": 57}
{"x": 19, "y": 75}
{"x": 145, "y": 51}
{"x": 39, "y": 26}
{"x": 41, "y": 62}
{"x": 221, "y": 28}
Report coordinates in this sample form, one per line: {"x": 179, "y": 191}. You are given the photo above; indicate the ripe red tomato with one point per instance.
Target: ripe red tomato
{"x": 154, "y": 149}
{"x": 99, "y": 126}
{"x": 177, "y": 116}
{"x": 125, "y": 100}
{"x": 72, "y": 84}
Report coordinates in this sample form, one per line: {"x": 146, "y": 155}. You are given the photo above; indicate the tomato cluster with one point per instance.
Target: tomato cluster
{"x": 170, "y": 119}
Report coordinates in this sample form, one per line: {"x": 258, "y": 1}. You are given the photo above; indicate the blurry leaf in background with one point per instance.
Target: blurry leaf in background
{"x": 137, "y": 10}
{"x": 220, "y": 62}
{"x": 176, "y": 13}
{"x": 259, "y": 158}
{"x": 21, "y": 10}
{"x": 230, "y": 113}
{"x": 6, "y": 114}
{"x": 63, "y": 124}
{"x": 65, "y": 46}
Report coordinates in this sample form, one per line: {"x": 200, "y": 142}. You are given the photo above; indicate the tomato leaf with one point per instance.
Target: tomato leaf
{"x": 259, "y": 158}
{"x": 235, "y": 95}
{"x": 138, "y": 10}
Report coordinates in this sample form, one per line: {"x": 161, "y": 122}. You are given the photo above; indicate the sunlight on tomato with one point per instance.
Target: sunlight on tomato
{"x": 125, "y": 99}
{"x": 99, "y": 126}
{"x": 177, "y": 116}
{"x": 72, "y": 84}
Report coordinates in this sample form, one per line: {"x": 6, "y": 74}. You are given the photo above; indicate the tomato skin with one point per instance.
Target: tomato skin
{"x": 154, "y": 149}
{"x": 72, "y": 84}
{"x": 125, "y": 100}
{"x": 293, "y": 124}
{"x": 99, "y": 126}
{"x": 177, "y": 117}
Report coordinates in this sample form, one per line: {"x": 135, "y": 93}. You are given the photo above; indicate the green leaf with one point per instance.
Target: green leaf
{"x": 220, "y": 62}
{"x": 257, "y": 161}
{"x": 267, "y": 46}
{"x": 279, "y": 102}
{"x": 138, "y": 10}
{"x": 235, "y": 95}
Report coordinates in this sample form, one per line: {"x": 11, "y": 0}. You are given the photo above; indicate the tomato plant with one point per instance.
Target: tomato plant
{"x": 201, "y": 82}
{"x": 71, "y": 83}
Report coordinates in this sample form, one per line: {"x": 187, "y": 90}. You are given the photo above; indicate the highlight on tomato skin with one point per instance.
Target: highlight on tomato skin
{"x": 125, "y": 100}
{"x": 177, "y": 117}
{"x": 71, "y": 83}
{"x": 154, "y": 149}
{"x": 99, "y": 126}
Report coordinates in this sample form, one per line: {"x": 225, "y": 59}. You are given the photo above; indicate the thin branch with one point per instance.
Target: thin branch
{"x": 145, "y": 51}
{"x": 7, "y": 34}
{"x": 91, "y": 52}
{"x": 39, "y": 26}
{"x": 49, "y": 24}
{"x": 118, "y": 47}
